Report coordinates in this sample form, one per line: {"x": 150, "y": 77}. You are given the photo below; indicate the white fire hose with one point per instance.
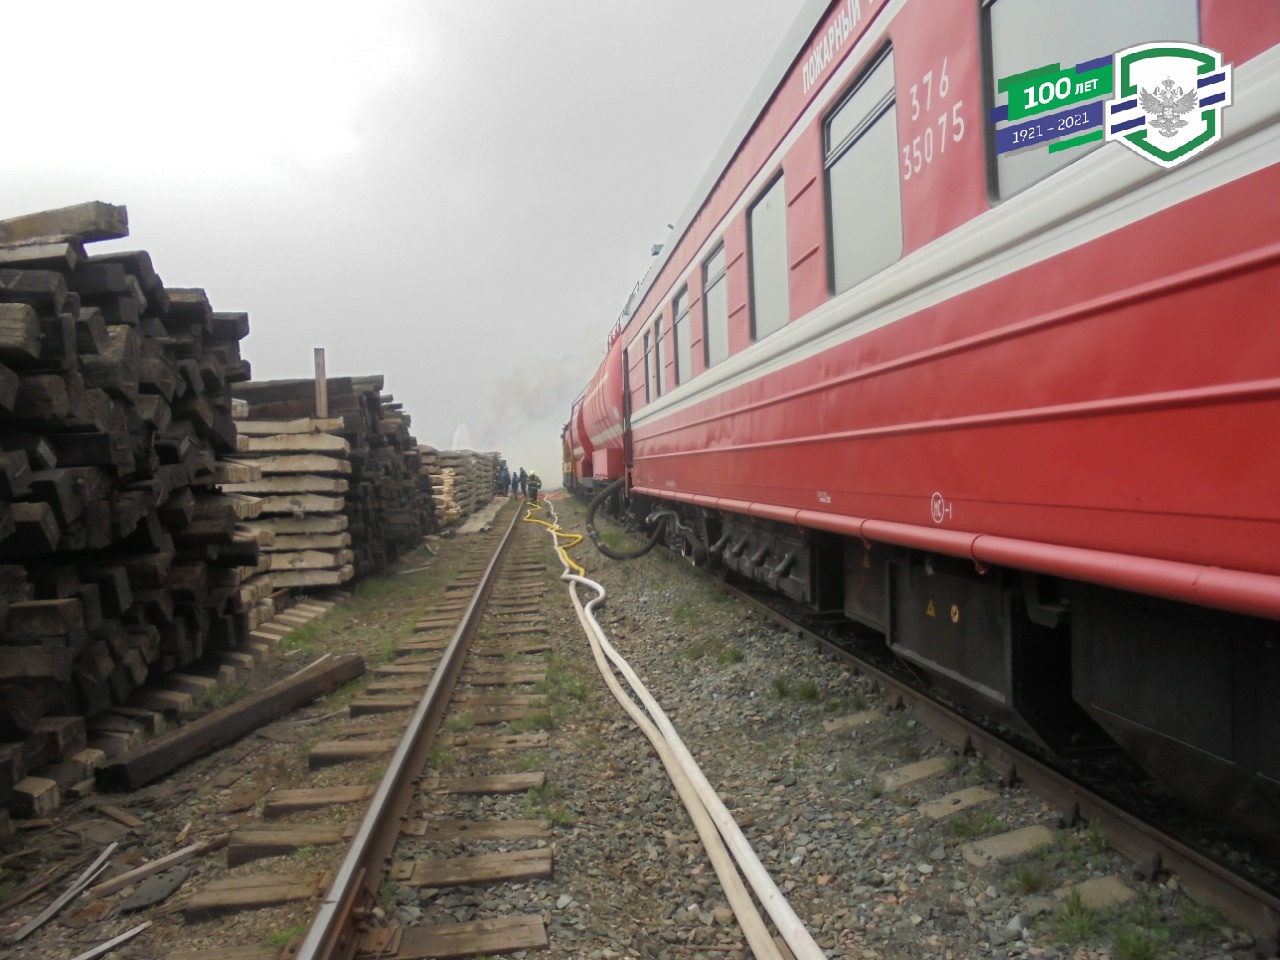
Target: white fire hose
{"x": 720, "y": 834}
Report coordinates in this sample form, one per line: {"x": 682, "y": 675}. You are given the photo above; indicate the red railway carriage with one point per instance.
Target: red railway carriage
{"x": 1014, "y": 408}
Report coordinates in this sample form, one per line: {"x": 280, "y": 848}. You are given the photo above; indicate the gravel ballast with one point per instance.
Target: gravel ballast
{"x": 794, "y": 742}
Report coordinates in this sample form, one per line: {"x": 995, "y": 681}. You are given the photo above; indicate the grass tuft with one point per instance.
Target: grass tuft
{"x": 1030, "y": 879}
{"x": 281, "y": 938}
{"x": 731, "y": 655}
{"x": 969, "y": 824}
{"x": 1073, "y": 922}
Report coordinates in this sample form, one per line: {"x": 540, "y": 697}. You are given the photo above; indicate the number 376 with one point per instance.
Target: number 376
{"x": 919, "y": 153}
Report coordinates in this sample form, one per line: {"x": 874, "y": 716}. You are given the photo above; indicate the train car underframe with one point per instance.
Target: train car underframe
{"x": 1186, "y": 691}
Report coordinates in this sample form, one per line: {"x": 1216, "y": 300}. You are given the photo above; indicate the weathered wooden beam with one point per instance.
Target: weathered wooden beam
{"x": 44, "y": 253}
{"x": 283, "y": 484}
{"x": 88, "y": 221}
{"x": 303, "y": 463}
{"x": 313, "y": 578}
{"x": 331, "y": 523}
{"x": 309, "y": 560}
{"x": 8, "y": 388}
{"x": 159, "y": 756}
{"x": 266, "y": 428}
{"x": 19, "y": 333}
{"x": 292, "y": 443}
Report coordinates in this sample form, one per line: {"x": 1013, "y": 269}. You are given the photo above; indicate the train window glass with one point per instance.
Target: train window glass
{"x": 650, "y": 386}
{"x": 658, "y": 358}
{"x": 684, "y": 338}
{"x": 864, "y": 204}
{"x": 636, "y": 364}
{"x": 767, "y": 241}
{"x": 1026, "y": 34}
{"x": 715, "y": 302}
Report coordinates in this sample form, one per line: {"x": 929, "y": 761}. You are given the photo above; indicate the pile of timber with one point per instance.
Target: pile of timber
{"x": 119, "y": 556}
{"x": 341, "y": 492}
{"x": 304, "y": 466}
{"x": 462, "y": 481}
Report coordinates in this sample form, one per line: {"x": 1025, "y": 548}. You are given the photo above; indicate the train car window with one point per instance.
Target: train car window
{"x": 864, "y": 208}
{"x": 684, "y": 337}
{"x": 715, "y": 302}
{"x": 658, "y": 358}
{"x": 767, "y": 241}
{"x": 650, "y": 386}
{"x": 635, "y": 364}
{"x": 1025, "y": 34}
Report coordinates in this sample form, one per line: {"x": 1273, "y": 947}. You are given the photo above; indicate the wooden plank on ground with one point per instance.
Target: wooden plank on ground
{"x": 498, "y": 783}
{"x": 435, "y": 623}
{"x": 254, "y": 843}
{"x": 165, "y": 753}
{"x": 346, "y": 751}
{"x": 248, "y": 952}
{"x": 516, "y": 865}
{"x": 478, "y": 830}
{"x": 404, "y": 669}
{"x": 159, "y": 865}
{"x": 493, "y": 715}
{"x": 366, "y": 706}
{"x": 283, "y": 803}
{"x": 396, "y": 686}
{"x": 511, "y": 741}
{"x": 519, "y": 630}
{"x": 473, "y": 938}
{"x": 420, "y": 646}
{"x": 484, "y": 700}
{"x": 505, "y": 649}
{"x": 500, "y": 678}
{"x": 244, "y": 893}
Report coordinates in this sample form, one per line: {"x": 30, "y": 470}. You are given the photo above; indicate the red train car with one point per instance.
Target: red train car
{"x": 1014, "y": 407}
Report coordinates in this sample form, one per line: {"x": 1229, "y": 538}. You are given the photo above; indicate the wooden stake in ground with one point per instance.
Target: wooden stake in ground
{"x": 322, "y": 385}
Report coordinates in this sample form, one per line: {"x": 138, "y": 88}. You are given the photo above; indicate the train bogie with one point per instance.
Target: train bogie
{"x": 1189, "y": 692}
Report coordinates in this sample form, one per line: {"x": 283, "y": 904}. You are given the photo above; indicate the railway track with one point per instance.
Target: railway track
{"x": 851, "y": 805}
{"x": 1155, "y": 851}
{"x": 371, "y": 752}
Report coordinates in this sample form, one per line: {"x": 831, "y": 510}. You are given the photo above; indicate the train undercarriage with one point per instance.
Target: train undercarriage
{"x": 1186, "y": 691}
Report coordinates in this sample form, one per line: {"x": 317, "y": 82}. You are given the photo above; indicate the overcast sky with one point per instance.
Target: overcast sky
{"x": 457, "y": 194}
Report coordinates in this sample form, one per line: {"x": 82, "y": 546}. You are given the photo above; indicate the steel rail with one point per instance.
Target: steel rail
{"x": 1209, "y": 881}
{"x": 334, "y": 933}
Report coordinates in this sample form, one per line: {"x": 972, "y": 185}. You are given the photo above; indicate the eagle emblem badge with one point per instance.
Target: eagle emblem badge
{"x": 1168, "y": 100}
{"x": 1165, "y": 106}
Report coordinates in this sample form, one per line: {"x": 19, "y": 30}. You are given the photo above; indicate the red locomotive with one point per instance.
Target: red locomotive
{"x": 1016, "y": 407}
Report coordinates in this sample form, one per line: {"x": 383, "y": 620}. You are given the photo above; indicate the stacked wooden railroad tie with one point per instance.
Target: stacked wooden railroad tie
{"x": 462, "y": 481}
{"x": 117, "y": 552}
{"x": 303, "y": 466}
{"x": 383, "y": 503}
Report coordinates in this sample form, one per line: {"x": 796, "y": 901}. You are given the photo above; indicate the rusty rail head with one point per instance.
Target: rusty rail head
{"x": 333, "y": 933}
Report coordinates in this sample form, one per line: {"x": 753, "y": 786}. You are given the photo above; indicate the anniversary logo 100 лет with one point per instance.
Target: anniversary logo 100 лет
{"x": 1164, "y": 101}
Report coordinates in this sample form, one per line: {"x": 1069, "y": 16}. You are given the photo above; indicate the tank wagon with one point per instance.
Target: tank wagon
{"x": 1015, "y": 408}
